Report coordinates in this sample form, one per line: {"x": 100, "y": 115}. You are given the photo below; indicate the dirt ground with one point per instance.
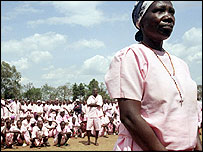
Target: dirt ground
{"x": 79, "y": 144}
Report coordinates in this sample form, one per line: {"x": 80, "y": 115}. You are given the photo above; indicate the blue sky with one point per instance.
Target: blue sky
{"x": 56, "y": 42}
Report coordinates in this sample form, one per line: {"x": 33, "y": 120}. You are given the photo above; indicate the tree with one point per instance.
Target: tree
{"x": 76, "y": 91}
{"x": 33, "y": 94}
{"x": 48, "y": 92}
{"x": 103, "y": 91}
{"x": 89, "y": 88}
{"x": 64, "y": 91}
{"x": 81, "y": 89}
{"x": 10, "y": 81}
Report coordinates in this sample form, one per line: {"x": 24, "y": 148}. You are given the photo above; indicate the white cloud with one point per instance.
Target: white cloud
{"x": 86, "y": 14}
{"x": 38, "y": 56}
{"x": 93, "y": 44}
{"x": 37, "y": 42}
{"x": 94, "y": 67}
{"x": 51, "y": 67}
{"x": 21, "y": 64}
{"x": 25, "y": 80}
{"x": 22, "y": 9}
{"x": 193, "y": 36}
{"x": 190, "y": 49}
{"x": 58, "y": 76}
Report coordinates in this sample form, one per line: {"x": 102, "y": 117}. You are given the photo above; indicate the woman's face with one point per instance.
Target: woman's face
{"x": 159, "y": 20}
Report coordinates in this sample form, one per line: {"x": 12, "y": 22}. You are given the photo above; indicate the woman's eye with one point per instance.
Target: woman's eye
{"x": 158, "y": 10}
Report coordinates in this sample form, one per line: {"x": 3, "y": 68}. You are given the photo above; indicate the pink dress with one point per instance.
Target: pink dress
{"x": 199, "y": 107}
{"x": 136, "y": 73}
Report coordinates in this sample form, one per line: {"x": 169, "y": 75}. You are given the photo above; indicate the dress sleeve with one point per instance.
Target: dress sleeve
{"x": 126, "y": 74}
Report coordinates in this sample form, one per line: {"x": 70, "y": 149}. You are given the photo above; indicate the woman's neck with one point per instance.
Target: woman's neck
{"x": 157, "y": 45}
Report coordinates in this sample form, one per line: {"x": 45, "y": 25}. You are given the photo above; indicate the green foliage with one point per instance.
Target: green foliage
{"x": 10, "y": 81}
{"x": 33, "y": 94}
{"x": 64, "y": 91}
{"x": 48, "y": 92}
{"x": 76, "y": 92}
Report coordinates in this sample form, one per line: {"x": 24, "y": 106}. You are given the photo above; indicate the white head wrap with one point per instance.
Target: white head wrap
{"x": 139, "y": 11}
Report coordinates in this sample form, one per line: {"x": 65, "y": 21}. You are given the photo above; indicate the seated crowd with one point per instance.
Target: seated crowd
{"x": 32, "y": 123}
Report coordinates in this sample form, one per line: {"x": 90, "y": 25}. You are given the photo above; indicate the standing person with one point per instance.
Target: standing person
{"x": 94, "y": 102}
{"x": 156, "y": 95}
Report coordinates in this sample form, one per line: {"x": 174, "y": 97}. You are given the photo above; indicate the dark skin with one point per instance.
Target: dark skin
{"x": 156, "y": 25}
{"x": 63, "y": 124}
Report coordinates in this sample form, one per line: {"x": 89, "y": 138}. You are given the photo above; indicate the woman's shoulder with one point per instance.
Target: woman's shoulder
{"x": 132, "y": 47}
{"x": 133, "y": 51}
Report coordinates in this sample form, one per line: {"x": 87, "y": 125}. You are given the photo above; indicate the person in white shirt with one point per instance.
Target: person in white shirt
{"x": 26, "y": 122}
{"x": 94, "y": 103}
{"x": 38, "y": 111}
{"x": 51, "y": 126}
{"x": 21, "y": 134}
{"x": 39, "y": 135}
{"x": 63, "y": 133}
{"x": 104, "y": 121}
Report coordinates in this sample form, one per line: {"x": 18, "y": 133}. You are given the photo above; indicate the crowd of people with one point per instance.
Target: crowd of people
{"x": 32, "y": 123}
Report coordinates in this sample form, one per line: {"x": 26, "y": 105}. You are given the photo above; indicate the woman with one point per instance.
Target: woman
{"x": 156, "y": 95}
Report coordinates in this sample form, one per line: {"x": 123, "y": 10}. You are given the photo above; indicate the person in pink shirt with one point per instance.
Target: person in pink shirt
{"x": 75, "y": 127}
{"x": 21, "y": 134}
{"x": 31, "y": 125}
{"x": 63, "y": 133}
{"x": 94, "y": 103}
{"x": 83, "y": 123}
{"x": 156, "y": 95}
{"x": 39, "y": 136}
{"x": 8, "y": 133}
{"x": 61, "y": 116}
{"x": 26, "y": 122}
{"x": 51, "y": 126}
{"x": 104, "y": 123}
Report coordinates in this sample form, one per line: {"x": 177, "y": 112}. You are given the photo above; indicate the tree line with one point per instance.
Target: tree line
{"x": 12, "y": 88}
